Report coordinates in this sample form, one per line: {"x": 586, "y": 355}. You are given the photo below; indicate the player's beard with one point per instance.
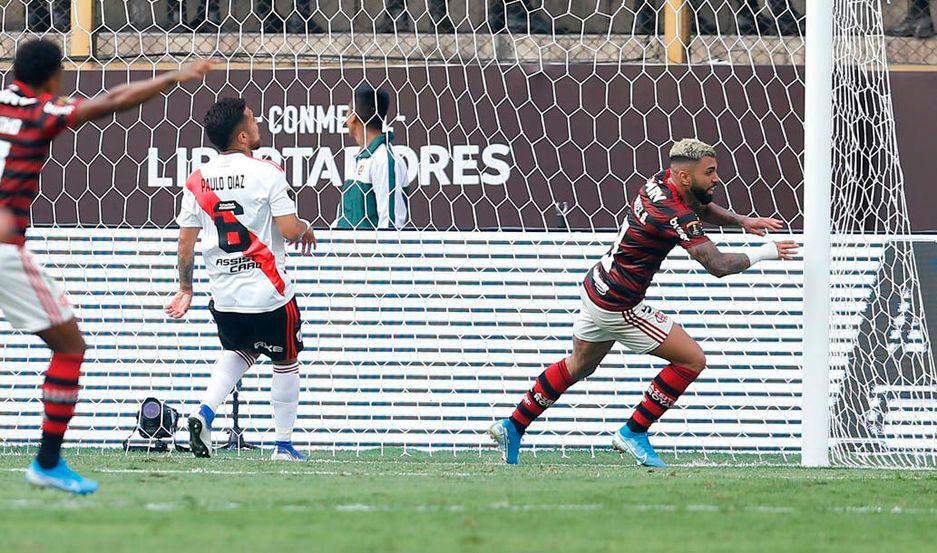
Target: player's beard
{"x": 703, "y": 195}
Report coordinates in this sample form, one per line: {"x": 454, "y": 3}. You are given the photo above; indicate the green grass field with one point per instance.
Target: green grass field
{"x": 468, "y": 502}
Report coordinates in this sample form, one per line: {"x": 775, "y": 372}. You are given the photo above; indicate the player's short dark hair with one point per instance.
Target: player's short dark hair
{"x": 37, "y": 61}
{"x": 223, "y": 119}
{"x": 371, "y": 106}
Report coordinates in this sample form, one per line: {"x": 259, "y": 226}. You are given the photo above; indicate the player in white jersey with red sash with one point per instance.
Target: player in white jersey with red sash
{"x": 242, "y": 207}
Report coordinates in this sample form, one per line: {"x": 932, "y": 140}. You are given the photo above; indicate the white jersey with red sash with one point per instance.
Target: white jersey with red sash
{"x": 233, "y": 198}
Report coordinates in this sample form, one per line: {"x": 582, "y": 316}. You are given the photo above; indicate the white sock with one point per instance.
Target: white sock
{"x": 284, "y": 393}
{"x": 229, "y": 368}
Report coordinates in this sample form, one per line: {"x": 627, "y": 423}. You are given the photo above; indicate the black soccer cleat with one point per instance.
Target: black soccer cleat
{"x": 199, "y": 436}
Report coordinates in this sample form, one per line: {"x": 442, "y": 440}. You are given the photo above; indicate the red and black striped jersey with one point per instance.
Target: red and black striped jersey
{"x": 657, "y": 221}
{"x": 28, "y": 123}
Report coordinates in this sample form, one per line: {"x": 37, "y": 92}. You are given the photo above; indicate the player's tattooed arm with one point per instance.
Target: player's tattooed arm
{"x": 718, "y": 215}
{"x": 721, "y": 264}
{"x": 182, "y": 300}
{"x": 186, "y": 269}
{"x": 717, "y": 263}
{"x": 186, "y": 260}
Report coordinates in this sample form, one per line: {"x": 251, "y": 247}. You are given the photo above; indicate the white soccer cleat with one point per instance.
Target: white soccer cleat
{"x": 199, "y": 436}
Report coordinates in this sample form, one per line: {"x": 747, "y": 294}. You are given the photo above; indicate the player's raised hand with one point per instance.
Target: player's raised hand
{"x": 179, "y": 305}
{"x": 194, "y": 71}
{"x": 761, "y": 225}
{"x": 787, "y": 249}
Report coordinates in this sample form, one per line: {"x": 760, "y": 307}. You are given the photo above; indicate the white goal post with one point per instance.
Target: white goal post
{"x": 818, "y": 174}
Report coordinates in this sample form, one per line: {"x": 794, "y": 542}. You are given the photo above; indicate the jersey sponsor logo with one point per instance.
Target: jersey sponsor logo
{"x": 61, "y": 107}
{"x": 679, "y": 229}
{"x": 600, "y": 286}
{"x": 225, "y": 182}
{"x": 654, "y": 191}
{"x": 229, "y": 206}
{"x": 694, "y": 229}
{"x": 237, "y": 265}
{"x": 267, "y": 347}
{"x": 10, "y": 126}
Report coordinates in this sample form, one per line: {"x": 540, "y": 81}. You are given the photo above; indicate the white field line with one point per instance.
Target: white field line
{"x": 674, "y": 470}
{"x": 170, "y": 506}
{"x": 195, "y": 471}
{"x": 303, "y": 472}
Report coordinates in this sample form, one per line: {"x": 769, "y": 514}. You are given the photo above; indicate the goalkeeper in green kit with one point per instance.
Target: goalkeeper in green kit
{"x": 375, "y": 196}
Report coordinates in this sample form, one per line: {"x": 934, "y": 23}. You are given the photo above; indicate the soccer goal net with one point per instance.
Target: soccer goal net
{"x": 526, "y": 135}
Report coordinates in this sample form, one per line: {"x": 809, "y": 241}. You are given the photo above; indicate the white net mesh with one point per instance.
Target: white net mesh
{"x": 524, "y": 151}
{"x": 884, "y": 382}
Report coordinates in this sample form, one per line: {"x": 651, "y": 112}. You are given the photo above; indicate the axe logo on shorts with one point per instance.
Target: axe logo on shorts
{"x": 267, "y": 347}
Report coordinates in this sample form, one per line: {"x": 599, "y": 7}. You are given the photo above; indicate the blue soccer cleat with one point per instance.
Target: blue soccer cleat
{"x": 505, "y": 434}
{"x": 637, "y": 445}
{"x": 60, "y": 477}
{"x": 284, "y": 451}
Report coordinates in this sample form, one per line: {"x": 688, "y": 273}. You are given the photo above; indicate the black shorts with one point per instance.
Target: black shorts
{"x": 276, "y": 334}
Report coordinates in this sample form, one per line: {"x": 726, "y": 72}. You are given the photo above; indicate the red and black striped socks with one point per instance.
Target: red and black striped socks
{"x": 547, "y": 389}
{"x": 663, "y": 392}
{"x": 59, "y": 395}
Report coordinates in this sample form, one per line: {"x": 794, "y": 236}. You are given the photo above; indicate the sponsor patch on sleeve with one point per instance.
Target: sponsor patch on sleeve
{"x": 694, "y": 229}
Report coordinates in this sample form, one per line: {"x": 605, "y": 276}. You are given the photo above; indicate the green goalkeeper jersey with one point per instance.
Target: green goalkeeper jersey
{"x": 376, "y": 196}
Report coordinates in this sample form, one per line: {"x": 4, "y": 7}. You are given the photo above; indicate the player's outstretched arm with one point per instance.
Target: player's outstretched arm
{"x": 297, "y": 230}
{"x": 720, "y": 264}
{"x": 133, "y": 94}
{"x": 181, "y": 302}
{"x": 717, "y": 215}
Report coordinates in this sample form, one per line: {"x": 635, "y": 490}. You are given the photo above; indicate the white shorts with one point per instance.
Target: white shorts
{"x": 29, "y": 298}
{"x": 640, "y": 329}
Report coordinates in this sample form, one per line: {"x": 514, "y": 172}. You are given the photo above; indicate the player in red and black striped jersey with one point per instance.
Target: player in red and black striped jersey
{"x": 658, "y": 220}
{"x": 32, "y": 114}
{"x": 669, "y": 210}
